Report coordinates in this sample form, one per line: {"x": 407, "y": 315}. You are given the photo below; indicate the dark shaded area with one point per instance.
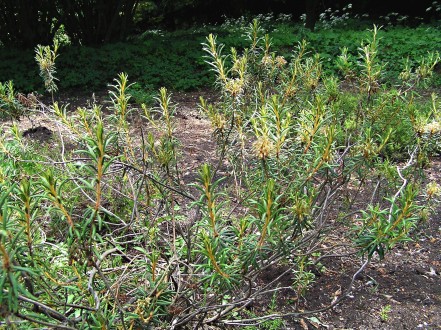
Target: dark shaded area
{"x": 97, "y": 21}
{"x": 176, "y": 14}
{"x": 25, "y": 24}
{"x": 39, "y": 133}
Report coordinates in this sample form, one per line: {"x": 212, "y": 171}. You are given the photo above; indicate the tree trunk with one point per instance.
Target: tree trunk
{"x": 311, "y": 13}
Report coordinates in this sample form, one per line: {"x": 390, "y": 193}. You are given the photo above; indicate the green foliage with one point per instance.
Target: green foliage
{"x": 110, "y": 235}
{"x": 384, "y": 228}
{"x": 10, "y": 107}
{"x": 384, "y": 313}
{"x": 45, "y": 57}
{"x": 174, "y": 59}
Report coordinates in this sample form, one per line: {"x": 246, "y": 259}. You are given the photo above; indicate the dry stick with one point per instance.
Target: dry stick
{"x": 51, "y": 162}
{"x": 151, "y": 177}
{"x": 276, "y": 257}
{"x": 135, "y": 192}
{"x": 46, "y": 309}
{"x": 97, "y": 269}
{"x": 53, "y": 326}
{"x": 408, "y": 164}
{"x": 92, "y": 290}
{"x": 187, "y": 318}
{"x": 224, "y": 146}
{"x": 225, "y": 308}
{"x": 334, "y": 256}
{"x": 323, "y": 207}
{"x": 62, "y": 145}
{"x": 118, "y": 304}
{"x": 310, "y": 236}
{"x": 250, "y": 297}
{"x": 240, "y": 202}
{"x": 101, "y": 208}
{"x": 262, "y": 319}
{"x": 377, "y": 186}
{"x": 181, "y": 294}
{"x": 92, "y": 276}
{"x": 327, "y": 201}
{"x": 116, "y": 243}
{"x": 87, "y": 308}
{"x": 203, "y": 310}
{"x": 106, "y": 185}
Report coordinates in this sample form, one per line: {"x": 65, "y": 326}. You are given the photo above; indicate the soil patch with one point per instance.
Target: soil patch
{"x": 39, "y": 133}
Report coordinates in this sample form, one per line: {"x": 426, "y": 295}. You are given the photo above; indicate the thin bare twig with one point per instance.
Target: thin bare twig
{"x": 258, "y": 320}
{"x": 54, "y": 326}
{"x": 398, "y": 193}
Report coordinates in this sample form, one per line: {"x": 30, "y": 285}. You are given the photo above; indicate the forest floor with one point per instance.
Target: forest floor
{"x": 402, "y": 291}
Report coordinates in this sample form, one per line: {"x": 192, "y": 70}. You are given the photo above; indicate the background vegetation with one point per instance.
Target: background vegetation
{"x": 159, "y": 58}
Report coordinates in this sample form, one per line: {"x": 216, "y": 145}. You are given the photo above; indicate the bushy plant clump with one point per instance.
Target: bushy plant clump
{"x": 109, "y": 235}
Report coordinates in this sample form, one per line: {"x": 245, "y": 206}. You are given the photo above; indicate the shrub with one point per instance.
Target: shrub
{"x": 137, "y": 248}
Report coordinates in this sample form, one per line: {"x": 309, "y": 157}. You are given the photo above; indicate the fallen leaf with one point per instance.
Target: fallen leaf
{"x": 382, "y": 271}
{"x": 303, "y": 324}
{"x": 315, "y": 322}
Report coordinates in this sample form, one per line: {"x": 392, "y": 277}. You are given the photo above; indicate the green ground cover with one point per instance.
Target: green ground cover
{"x": 175, "y": 59}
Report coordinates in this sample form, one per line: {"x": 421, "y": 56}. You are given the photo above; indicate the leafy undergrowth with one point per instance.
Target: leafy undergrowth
{"x": 174, "y": 59}
{"x": 126, "y": 220}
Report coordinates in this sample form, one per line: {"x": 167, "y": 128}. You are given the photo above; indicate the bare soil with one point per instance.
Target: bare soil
{"x": 403, "y": 291}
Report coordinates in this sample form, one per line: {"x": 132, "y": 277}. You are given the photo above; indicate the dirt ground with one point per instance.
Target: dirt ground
{"x": 403, "y": 291}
